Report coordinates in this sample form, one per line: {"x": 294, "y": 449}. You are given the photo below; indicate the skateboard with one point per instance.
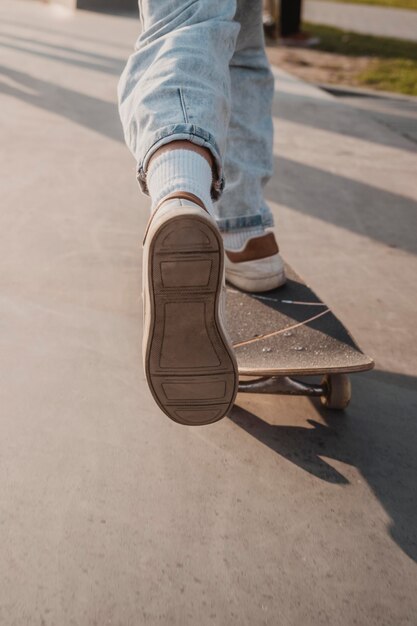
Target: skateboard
{"x": 288, "y": 333}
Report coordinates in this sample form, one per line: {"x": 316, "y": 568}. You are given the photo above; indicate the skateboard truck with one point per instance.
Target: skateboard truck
{"x": 334, "y": 390}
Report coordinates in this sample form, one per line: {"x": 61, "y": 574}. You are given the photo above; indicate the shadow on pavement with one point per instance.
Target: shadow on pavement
{"x": 377, "y": 435}
{"x": 69, "y": 34}
{"x": 340, "y": 200}
{"x": 88, "y": 111}
{"x": 109, "y": 65}
{"x": 300, "y": 445}
{"x": 337, "y": 117}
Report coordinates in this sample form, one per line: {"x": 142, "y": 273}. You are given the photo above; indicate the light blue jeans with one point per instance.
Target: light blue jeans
{"x": 199, "y": 72}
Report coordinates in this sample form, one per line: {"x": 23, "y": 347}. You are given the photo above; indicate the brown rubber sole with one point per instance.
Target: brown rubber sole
{"x": 189, "y": 363}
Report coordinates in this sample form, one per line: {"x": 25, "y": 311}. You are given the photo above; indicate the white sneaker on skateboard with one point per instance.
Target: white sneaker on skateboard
{"x": 188, "y": 359}
{"x": 257, "y": 266}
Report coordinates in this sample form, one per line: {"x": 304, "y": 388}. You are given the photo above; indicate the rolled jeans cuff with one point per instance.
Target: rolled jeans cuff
{"x": 263, "y": 218}
{"x": 189, "y": 132}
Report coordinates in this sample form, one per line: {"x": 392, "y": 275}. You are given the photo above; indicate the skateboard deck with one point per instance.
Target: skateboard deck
{"x": 290, "y": 331}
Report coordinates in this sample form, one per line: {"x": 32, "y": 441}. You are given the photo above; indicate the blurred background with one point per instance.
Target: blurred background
{"x": 346, "y": 42}
{"x": 368, "y": 43}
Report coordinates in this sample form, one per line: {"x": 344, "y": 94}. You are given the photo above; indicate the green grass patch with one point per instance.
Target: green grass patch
{"x": 399, "y": 75}
{"x": 395, "y": 4}
{"x": 395, "y": 61}
{"x": 354, "y": 44}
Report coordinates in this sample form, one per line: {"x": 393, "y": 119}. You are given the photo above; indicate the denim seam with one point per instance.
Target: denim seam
{"x": 229, "y": 224}
{"x": 184, "y": 108}
{"x": 142, "y": 23}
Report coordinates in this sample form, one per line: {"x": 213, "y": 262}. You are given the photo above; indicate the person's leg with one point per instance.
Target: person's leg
{"x": 290, "y": 26}
{"x": 269, "y": 18}
{"x": 176, "y": 85}
{"x": 248, "y": 163}
{"x": 290, "y": 21}
{"x": 242, "y": 213}
{"x": 175, "y": 107}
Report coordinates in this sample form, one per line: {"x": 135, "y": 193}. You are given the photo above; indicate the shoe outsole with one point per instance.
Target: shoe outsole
{"x": 189, "y": 364}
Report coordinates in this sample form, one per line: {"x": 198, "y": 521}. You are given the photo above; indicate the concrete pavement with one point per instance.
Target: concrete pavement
{"x": 110, "y": 513}
{"x": 368, "y": 20}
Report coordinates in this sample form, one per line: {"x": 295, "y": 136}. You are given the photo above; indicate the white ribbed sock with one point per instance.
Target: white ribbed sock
{"x": 180, "y": 169}
{"x": 236, "y": 239}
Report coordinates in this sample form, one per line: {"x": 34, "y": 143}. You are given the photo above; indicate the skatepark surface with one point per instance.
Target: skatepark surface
{"x": 280, "y": 514}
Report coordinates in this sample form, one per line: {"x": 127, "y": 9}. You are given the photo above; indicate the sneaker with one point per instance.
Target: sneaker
{"x": 188, "y": 359}
{"x": 257, "y": 266}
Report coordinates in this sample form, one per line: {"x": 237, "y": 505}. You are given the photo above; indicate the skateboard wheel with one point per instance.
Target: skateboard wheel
{"x": 338, "y": 391}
